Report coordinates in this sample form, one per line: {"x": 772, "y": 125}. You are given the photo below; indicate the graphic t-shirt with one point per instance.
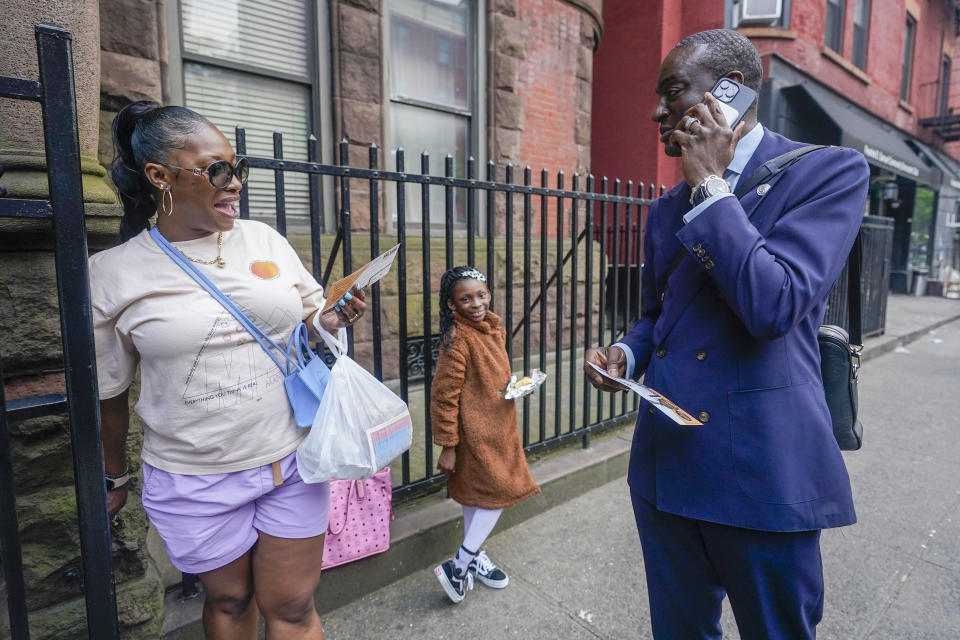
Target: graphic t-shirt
{"x": 211, "y": 399}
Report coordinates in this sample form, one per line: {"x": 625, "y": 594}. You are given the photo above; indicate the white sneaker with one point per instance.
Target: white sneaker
{"x": 487, "y": 572}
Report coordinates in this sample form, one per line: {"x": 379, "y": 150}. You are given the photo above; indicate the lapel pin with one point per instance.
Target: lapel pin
{"x": 762, "y": 189}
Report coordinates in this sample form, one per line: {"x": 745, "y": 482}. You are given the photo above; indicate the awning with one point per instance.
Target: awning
{"x": 882, "y": 145}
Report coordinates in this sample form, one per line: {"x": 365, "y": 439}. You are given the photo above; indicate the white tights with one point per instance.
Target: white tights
{"x": 477, "y": 525}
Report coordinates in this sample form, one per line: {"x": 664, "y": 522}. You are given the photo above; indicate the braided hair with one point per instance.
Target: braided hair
{"x": 146, "y": 132}
{"x": 448, "y": 282}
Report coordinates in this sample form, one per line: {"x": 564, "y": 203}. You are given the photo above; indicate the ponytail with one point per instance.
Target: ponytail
{"x": 146, "y": 132}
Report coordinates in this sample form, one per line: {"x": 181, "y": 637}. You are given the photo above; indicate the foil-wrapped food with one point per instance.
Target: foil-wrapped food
{"x": 524, "y": 386}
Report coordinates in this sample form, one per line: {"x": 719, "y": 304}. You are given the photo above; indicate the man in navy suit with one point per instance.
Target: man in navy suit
{"x": 735, "y": 507}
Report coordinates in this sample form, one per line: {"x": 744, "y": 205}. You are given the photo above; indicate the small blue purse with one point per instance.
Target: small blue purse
{"x": 305, "y": 374}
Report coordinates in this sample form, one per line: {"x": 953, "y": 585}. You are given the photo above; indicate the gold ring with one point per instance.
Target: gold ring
{"x": 351, "y": 320}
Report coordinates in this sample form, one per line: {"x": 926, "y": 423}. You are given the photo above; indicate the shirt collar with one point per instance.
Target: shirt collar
{"x": 745, "y": 149}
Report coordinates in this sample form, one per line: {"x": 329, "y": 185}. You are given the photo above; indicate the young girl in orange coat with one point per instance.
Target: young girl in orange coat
{"x": 482, "y": 454}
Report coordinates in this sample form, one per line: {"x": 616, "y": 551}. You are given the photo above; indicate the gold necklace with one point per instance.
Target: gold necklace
{"x": 219, "y": 261}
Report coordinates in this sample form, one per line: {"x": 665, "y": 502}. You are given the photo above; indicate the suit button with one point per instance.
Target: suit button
{"x": 703, "y": 417}
{"x": 697, "y": 248}
{"x": 651, "y": 410}
{"x": 661, "y": 352}
{"x": 701, "y": 355}
{"x": 708, "y": 264}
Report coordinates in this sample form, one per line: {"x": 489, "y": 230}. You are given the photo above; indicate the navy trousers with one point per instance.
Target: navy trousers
{"x": 774, "y": 580}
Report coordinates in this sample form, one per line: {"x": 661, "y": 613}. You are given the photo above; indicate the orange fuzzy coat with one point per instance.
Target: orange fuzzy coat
{"x": 468, "y": 412}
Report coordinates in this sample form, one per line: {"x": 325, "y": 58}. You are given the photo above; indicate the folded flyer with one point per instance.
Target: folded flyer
{"x": 655, "y": 398}
{"x": 362, "y": 278}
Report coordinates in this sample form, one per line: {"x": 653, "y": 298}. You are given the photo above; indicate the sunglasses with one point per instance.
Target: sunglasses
{"x": 221, "y": 173}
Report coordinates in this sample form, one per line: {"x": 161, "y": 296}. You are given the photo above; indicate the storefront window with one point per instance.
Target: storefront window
{"x": 921, "y": 229}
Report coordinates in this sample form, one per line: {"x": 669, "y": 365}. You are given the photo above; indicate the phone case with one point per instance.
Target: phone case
{"x": 735, "y": 99}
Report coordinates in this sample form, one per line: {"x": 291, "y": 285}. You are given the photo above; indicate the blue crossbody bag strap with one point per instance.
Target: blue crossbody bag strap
{"x": 262, "y": 338}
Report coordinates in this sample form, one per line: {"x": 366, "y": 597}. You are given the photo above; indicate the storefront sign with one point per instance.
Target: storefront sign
{"x": 890, "y": 161}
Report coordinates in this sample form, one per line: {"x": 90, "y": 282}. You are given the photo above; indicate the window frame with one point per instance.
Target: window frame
{"x": 838, "y": 28}
{"x": 865, "y": 45}
{"x": 946, "y": 69}
{"x": 476, "y": 115}
{"x": 909, "y": 49}
{"x": 731, "y": 12}
{"x": 317, "y": 80}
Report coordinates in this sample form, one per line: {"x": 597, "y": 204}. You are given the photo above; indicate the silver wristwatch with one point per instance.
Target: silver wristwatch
{"x": 710, "y": 186}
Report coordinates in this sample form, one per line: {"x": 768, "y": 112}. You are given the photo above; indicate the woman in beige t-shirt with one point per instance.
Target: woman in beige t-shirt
{"x": 220, "y": 481}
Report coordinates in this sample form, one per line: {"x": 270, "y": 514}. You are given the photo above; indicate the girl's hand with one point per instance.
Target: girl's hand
{"x": 345, "y": 312}
{"x": 447, "y": 460}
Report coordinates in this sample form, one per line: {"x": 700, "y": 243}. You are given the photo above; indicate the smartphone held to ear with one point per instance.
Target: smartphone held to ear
{"x": 734, "y": 99}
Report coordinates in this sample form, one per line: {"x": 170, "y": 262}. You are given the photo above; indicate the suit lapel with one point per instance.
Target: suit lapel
{"x": 689, "y": 278}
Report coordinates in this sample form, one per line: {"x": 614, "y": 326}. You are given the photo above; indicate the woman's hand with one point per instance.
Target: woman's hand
{"x": 345, "y": 312}
{"x": 447, "y": 460}
{"x": 116, "y": 499}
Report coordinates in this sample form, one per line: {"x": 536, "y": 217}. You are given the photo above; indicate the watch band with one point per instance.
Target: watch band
{"x": 700, "y": 192}
{"x": 116, "y": 481}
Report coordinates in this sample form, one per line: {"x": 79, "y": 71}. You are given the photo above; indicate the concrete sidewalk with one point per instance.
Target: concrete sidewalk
{"x": 576, "y": 569}
{"x": 572, "y": 552}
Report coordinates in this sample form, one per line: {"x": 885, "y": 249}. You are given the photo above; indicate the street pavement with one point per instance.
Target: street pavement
{"x": 576, "y": 570}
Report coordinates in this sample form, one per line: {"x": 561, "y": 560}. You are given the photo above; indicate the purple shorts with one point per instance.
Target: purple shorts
{"x": 208, "y": 521}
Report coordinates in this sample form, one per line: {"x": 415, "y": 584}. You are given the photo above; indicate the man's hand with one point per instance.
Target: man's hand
{"x": 706, "y": 141}
{"x": 612, "y": 360}
{"x": 447, "y": 460}
{"x": 116, "y": 499}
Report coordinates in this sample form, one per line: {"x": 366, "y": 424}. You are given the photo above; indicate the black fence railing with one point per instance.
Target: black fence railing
{"x": 55, "y": 93}
{"x": 557, "y": 287}
{"x": 876, "y": 235}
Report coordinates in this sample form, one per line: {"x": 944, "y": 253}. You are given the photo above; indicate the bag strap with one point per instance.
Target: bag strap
{"x": 262, "y": 338}
{"x": 762, "y": 173}
{"x": 772, "y": 167}
{"x": 853, "y": 292}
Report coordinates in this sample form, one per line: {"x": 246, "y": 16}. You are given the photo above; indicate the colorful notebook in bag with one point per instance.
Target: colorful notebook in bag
{"x": 305, "y": 374}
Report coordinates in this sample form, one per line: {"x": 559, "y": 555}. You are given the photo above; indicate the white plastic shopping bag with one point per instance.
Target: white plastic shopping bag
{"x": 360, "y": 427}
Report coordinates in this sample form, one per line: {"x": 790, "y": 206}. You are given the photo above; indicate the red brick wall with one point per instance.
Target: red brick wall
{"x": 547, "y": 82}
{"x": 880, "y": 91}
{"x": 637, "y": 36}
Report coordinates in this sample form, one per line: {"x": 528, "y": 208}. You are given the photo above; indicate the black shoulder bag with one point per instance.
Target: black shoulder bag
{"x": 839, "y": 352}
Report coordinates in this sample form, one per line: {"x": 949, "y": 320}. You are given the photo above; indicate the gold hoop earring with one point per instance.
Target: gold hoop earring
{"x": 163, "y": 202}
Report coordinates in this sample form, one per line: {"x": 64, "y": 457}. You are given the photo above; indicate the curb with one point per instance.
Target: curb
{"x": 899, "y": 341}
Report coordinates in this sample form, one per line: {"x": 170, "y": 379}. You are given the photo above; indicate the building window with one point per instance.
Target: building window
{"x": 833, "y": 35}
{"x": 249, "y": 63}
{"x": 907, "y": 72}
{"x": 861, "y": 27}
{"x": 945, "y": 86}
{"x": 431, "y": 91}
{"x": 757, "y": 13}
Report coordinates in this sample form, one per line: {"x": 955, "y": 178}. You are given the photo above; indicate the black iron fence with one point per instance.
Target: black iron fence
{"x": 558, "y": 283}
{"x": 55, "y": 94}
{"x": 876, "y": 234}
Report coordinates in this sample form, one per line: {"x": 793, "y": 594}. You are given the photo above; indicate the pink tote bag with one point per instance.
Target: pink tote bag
{"x": 360, "y": 515}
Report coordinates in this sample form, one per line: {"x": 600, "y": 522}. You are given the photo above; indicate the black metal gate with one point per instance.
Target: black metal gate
{"x": 55, "y": 93}
{"x": 560, "y": 283}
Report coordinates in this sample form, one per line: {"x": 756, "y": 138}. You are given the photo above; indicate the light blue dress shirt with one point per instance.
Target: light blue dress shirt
{"x": 741, "y": 156}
